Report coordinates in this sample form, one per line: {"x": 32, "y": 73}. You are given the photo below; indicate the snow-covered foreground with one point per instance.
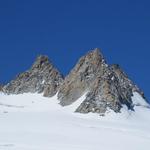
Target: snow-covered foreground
{"x": 32, "y": 122}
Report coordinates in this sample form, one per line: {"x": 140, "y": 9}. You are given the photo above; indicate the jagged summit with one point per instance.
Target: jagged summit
{"x": 81, "y": 77}
{"x": 107, "y": 86}
{"x": 94, "y": 54}
{"x": 41, "y": 60}
{"x": 42, "y": 77}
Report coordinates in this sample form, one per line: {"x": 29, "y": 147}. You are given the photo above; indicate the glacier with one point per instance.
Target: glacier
{"x": 33, "y": 122}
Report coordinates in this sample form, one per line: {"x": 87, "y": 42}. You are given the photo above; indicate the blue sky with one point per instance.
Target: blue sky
{"x": 66, "y": 29}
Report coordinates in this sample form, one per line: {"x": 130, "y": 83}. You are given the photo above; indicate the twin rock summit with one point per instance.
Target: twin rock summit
{"x": 107, "y": 86}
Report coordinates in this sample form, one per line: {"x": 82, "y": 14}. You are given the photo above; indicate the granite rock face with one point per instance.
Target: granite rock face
{"x": 42, "y": 77}
{"x": 110, "y": 91}
{"x": 108, "y": 86}
{"x": 80, "y": 78}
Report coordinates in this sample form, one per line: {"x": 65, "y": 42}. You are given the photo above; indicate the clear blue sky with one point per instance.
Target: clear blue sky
{"x": 66, "y": 29}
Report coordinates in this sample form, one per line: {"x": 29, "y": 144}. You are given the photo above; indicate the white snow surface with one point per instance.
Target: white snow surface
{"x": 138, "y": 100}
{"x": 33, "y": 122}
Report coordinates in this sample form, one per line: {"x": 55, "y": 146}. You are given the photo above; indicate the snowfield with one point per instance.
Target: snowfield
{"x": 33, "y": 122}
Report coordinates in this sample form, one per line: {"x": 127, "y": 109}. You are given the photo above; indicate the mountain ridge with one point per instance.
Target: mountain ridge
{"x": 107, "y": 86}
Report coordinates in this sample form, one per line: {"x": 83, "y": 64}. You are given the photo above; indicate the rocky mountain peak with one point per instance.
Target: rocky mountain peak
{"x": 92, "y": 59}
{"x": 40, "y": 62}
{"x": 93, "y": 55}
{"x": 81, "y": 76}
{"x": 42, "y": 77}
{"x": 108, "y": 86}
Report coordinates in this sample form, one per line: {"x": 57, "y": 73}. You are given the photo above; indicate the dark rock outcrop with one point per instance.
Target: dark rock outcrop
{"x": 42, "y": 77}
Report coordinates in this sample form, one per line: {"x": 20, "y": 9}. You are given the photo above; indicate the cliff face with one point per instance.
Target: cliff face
{"x": 107, "y": 86}
{"x": 42, "y": 77}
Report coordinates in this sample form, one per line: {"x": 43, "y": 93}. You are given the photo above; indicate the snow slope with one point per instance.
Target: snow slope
{"x": 33, "y": 122}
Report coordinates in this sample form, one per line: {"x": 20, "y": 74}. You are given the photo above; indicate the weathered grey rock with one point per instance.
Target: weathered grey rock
{"x": 80, "y": 78}
{"x": 108, "y": 86}
{"x": 124, "y": 80}
{"x": 42, "y": 77}
{"x": 1, "y": 88}
{"x": 110, "y": 91}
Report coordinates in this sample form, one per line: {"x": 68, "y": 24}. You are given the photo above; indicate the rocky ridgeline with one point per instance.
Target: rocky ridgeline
{"x": 107, "y": 86}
